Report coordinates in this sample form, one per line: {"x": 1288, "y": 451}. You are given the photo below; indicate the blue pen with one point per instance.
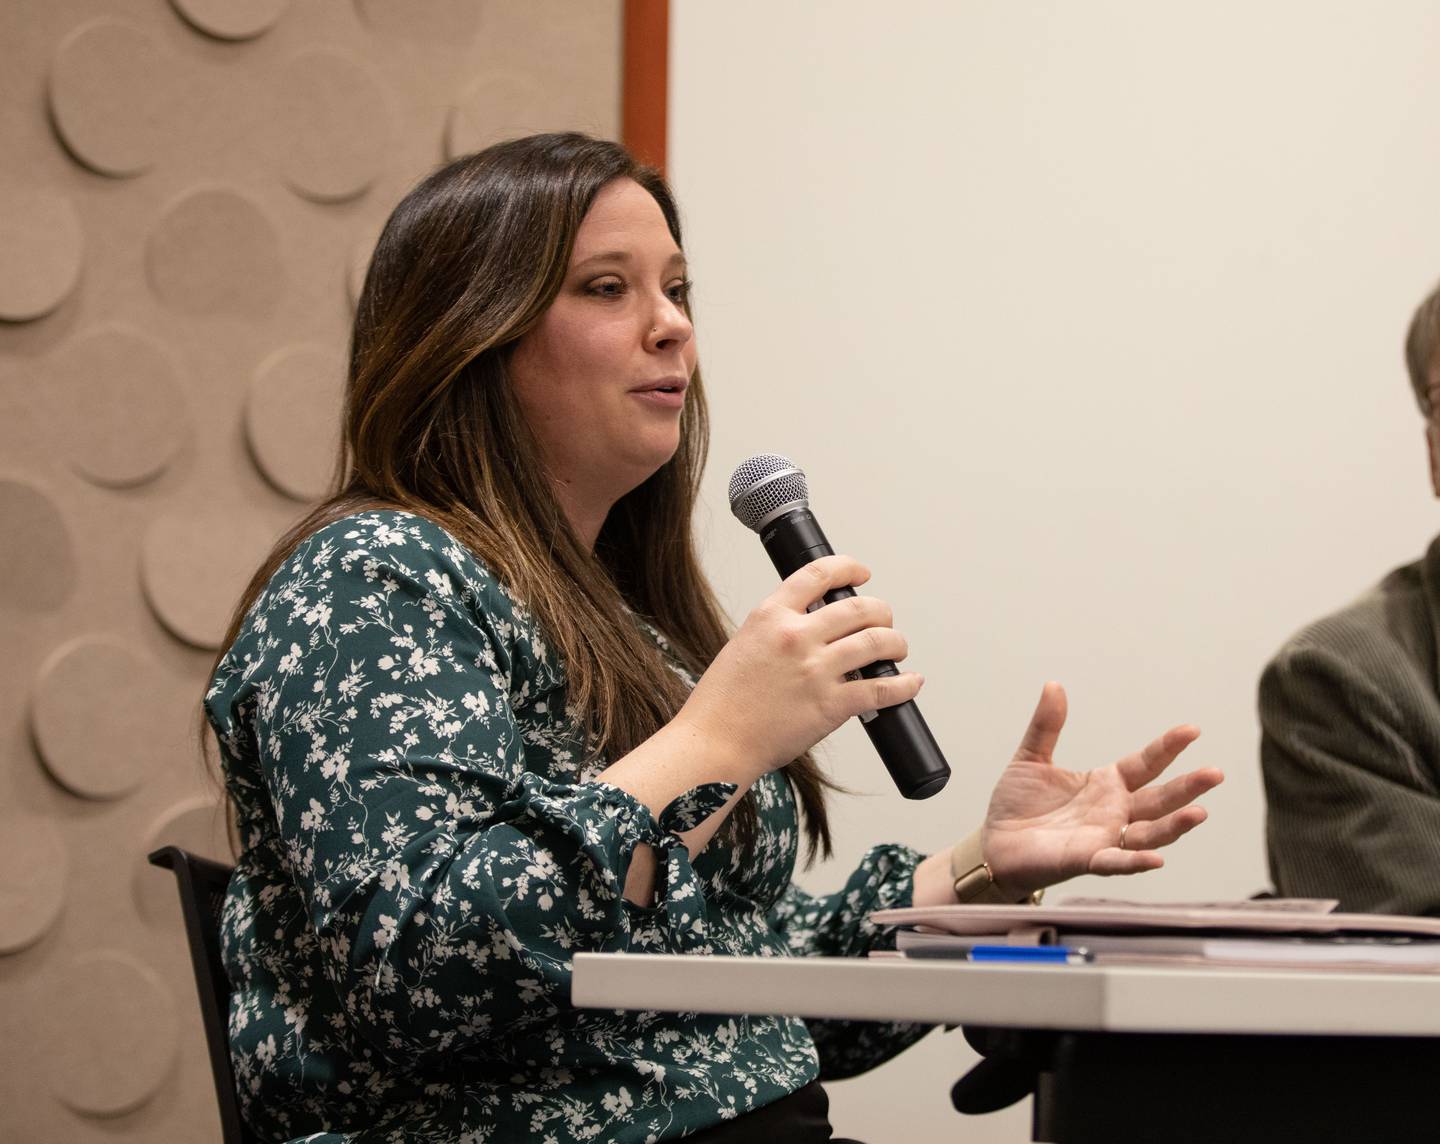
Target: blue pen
{"x": 1031, "y": 954}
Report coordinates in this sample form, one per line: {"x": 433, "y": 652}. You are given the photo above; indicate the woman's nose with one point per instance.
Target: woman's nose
{"x": 669, "y": 327}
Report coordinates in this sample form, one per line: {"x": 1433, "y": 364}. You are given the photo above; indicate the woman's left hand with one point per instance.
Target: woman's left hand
{"x": 1045, "y": 824}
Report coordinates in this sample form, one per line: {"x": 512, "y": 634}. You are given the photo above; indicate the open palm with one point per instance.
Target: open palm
{"x": 1046, "y": 824}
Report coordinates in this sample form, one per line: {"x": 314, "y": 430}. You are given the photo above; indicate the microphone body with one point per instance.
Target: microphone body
{"x": 900, "y": 734}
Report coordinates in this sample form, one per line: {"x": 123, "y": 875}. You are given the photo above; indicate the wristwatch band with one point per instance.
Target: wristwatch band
{"x": 974, "y": 881}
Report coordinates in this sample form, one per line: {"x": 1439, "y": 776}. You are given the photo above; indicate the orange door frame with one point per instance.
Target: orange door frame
{"x": 645, "y": 86}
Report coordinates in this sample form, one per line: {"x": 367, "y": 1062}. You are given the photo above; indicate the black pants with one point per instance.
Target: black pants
{"x": 803, "y": 1117}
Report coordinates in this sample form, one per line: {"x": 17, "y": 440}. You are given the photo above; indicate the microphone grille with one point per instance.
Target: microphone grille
{"x": 763, "y": 484}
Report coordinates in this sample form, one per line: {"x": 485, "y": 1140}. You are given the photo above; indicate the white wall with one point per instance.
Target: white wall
{"x": 1085, "y": 321}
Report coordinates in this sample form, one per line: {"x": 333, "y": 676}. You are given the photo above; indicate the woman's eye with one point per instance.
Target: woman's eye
{"x": 679, "y": 292}
{"x": 607, "y": 288}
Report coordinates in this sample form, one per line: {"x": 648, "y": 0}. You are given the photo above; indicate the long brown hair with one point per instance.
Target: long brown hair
{"x": 466, "y": 265}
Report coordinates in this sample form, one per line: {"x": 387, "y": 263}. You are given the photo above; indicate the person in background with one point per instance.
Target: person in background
{"x": 1350, "y": 718}
{"x": 480, "y": 710}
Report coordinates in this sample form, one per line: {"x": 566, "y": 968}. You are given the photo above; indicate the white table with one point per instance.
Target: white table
{"x": 1219, "y": 1054}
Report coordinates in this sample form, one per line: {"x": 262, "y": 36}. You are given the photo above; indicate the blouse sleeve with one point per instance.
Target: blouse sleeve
{"x": 449, "y": 885}
{"x": 839, "y": 925}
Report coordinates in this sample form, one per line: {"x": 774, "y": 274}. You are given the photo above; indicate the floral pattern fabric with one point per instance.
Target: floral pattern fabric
{"x": 424, "y": 850}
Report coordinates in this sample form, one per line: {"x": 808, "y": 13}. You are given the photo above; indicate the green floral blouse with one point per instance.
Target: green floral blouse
{"x": 425, "y": 849}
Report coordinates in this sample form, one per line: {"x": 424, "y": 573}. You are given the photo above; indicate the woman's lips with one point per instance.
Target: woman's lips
{"x": 668, "y": 394}
{"x": 664, "y": 398}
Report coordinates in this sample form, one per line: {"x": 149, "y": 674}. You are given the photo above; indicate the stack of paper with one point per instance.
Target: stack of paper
{"x": 1283, "y": 933}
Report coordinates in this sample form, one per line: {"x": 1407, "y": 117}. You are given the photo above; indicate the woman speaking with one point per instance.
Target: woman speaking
{"x": 480, "y": 711}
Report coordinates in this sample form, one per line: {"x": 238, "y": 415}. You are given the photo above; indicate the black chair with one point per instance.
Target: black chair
{"x": 202, "y": 895}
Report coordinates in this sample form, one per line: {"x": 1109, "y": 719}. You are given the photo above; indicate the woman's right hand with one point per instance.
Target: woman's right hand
{"x": 779, "y": 685}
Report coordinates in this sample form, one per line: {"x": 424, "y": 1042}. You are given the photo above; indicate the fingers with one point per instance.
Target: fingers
{"x": 845, "y": 617}
{"x": 1038, "y": 743}
{"x": 1152, "y": 803}
{"x": 803, "y": 587}
{"x": 1162, "y": 831}
{"x": 1113, "y": 860}
{"x": 1143, "y": 839}
{"x": 858, "y": 630}
{"x": 1139, "y": 768}
{"x": 864, "y": 648}
{"x": 862, "y": 695}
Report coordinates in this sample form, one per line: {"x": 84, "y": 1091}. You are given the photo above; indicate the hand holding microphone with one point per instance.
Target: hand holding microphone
{"x": 780, "y": 684}
{"x": 769, "y": 494}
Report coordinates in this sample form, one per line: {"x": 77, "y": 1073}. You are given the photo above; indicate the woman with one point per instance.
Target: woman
{"x": 461, "y": 725}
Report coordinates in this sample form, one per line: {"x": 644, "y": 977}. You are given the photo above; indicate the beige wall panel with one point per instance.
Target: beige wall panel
{"x": 333, "y": 126}
{"x": 116, "y": 396}
{"x": 33, "y": 864}
{"x": 292, "y": 418}
{"x": 190, "y": 194}
{"x": 110, "y": 90}
{"x": 359, "y": 262}
{"x": 37, "y": 563}
{"x": 94, "y": 706}
{"x": 506, "y": 104}
{"x": 444, "y": 22}
{"x": 231, "y": 19}
{"x": 194, "y": 565}
{"x": 113, "y": 1033}
{"x": 40, "y": 250}
{"x": 216, "y": 252}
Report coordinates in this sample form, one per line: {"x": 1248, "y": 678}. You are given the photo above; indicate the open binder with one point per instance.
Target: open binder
{"x": 1278, "y": 933}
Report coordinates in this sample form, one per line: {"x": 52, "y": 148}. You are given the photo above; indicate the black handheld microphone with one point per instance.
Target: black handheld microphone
{"x": 769, "y": 495}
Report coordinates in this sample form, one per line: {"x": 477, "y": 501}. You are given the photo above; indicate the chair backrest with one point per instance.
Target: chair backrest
{"x": 202, "y": 886}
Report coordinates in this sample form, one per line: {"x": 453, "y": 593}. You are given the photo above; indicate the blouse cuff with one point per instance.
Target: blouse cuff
{"x": 682, "y": 897}
{"x": 613, "y": 823}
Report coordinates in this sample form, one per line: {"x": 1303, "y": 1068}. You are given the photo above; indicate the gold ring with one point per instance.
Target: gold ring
{"x": 1123, "y": 829}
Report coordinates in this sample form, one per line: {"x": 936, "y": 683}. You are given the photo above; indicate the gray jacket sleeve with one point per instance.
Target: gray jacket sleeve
{"x": 1349, "y": 749}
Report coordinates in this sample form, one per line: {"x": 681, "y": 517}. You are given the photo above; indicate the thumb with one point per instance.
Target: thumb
{"x": 1038, "y": 743}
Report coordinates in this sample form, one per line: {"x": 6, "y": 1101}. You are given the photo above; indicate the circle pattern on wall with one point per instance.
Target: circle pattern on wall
{"x": 357, "y": 265}
{"x": 193, "y": 568}
{"x": 231, "y": 19}
{"x": 195, "y": 186}
{"x": 37, "y": 559}
{"x": 292, "y": 418}
{"x": 506, "y": 105}
{"x": 41, "y": 245}
{"x": 196, "y": 825}
{"x": 124, "y": 406}
{"x": 109, "y": 91}
{"x": 94, "y": 712}
{"x": 215, "y": 252}
{"x": 111, "y": 1033}
{"x": 33, "y": 869}
{"x": 337, "y": 125}
{"x": 449, "y": 22}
